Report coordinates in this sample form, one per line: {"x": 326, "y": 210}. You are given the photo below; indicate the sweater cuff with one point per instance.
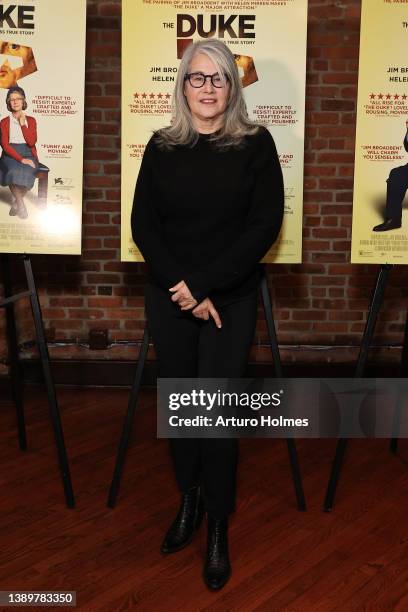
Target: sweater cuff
{"x": 198, "y": 294}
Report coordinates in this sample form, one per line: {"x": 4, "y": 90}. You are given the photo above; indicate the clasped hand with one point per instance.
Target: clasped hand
{"x": 203, "y": 310}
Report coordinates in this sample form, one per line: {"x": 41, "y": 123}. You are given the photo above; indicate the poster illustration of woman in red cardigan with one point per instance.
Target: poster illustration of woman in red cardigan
{"x": 19, "y": 160}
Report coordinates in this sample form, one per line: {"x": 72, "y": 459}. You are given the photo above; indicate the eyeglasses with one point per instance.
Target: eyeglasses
{"x": 197, "y": 79}
{"x": 15, "y": 99}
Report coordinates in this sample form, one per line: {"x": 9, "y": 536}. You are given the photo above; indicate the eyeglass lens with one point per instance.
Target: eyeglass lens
{"x": 197, "y": 79}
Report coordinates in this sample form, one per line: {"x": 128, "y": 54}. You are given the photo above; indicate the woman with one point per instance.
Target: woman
{"x": 208, "y": 205}
{"x": 19, "y": 160}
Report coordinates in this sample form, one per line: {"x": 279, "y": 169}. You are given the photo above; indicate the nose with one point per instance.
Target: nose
{"x": 208, "y": 86}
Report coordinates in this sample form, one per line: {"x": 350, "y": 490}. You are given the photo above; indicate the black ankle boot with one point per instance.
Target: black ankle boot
{"x": 217, "y": 567}
{"x": 188, "y": 519}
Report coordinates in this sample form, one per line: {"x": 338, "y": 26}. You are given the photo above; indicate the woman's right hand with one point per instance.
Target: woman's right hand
{"x": 28, "y": 162}
{"x": 22, "y": 118}
{"x": 205, "y": 309}
{"x": 182, "y": 295}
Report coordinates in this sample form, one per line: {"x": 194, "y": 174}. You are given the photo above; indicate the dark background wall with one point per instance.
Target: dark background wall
{"x": 320, "y": 306}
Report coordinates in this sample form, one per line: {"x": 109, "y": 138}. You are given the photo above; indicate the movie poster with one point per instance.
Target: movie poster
{"x": 268, "y": 39}
{"x": 380, "y": 219}
{"x": 41, "y": 125}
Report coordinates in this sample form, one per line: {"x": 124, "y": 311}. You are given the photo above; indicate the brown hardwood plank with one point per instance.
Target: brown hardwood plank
{"x": 282, "y": 559}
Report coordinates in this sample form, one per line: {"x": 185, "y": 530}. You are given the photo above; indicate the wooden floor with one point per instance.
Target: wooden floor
{"x": 355, "y": 558}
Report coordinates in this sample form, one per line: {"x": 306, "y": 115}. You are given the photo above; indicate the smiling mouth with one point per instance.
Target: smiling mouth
{"x": 208, "y": 101}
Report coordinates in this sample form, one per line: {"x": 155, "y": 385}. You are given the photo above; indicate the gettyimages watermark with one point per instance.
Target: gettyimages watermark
{"x": 282, "y": 408}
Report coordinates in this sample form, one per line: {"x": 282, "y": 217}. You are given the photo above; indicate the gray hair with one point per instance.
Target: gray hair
{"x": 236, "y": 122}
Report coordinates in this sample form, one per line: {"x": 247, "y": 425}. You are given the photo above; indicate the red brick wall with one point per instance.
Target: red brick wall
{"x": 321, "y": 304}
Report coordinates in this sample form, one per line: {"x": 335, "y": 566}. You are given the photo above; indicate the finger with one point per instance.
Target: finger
{"x": 177, "y": 296}
{"x": 181, "y": 294}
{"x": 199, "y": 315}
{"x": 177, "y": 287}
{"x": 184, "y": 300}
{"x": 187, "y": 304}
{"x": 216, "y": 317}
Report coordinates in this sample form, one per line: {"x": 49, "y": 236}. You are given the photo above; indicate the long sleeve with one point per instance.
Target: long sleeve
{"x": 5, "y": 140}
{"x": 406, "y": 142}
{"x": 30, "y": 131}
{"x": 146, "y": 227}
{"x": 261, "y": 228}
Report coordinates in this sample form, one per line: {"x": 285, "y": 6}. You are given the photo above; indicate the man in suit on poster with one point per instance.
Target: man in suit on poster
{"x": 397, "y": 185}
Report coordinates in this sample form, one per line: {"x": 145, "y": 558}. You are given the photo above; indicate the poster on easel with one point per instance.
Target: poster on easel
{"x": 380, "y": 218}
{"x": 268, "y": 39}
{"x": 42, "y": 79}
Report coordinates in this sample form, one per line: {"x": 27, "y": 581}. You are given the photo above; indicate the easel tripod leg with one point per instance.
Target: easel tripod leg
{"x": 273, "y": 340}
{"x": 403, "y": 374}
{"x": 128, "y": 422}
{"x": 15, "y": 370}
{"x": 375, "y": 306}
{"x": 335, "y": 473}
{"x": 52, "y": 399}
{"x": 297, "y": 478}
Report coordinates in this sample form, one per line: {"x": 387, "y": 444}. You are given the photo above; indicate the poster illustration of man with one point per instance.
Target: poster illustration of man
{"x": 397, "y": 185}
{"x": 380, "y": 225}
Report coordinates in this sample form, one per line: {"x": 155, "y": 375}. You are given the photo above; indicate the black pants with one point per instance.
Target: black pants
{"x": 397, "y": 185}
{"x": 188, "y": 347}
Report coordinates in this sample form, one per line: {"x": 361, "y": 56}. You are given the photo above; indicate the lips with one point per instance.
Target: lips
{"x": 207, "y": 101}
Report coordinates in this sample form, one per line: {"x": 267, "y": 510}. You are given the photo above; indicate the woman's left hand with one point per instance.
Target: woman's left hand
{"x": 205, "y": 310}
{"x": 182, "y": 296}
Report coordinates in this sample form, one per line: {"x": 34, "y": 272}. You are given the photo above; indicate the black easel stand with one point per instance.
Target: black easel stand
{"x": 15, "y": 373}
{"x": 273, "y": 340}
{"x": 403, "y": 374}
{"x": 375, "y": 306}
{"x": 128, "y": 422}
{"x": 8, "y": 303}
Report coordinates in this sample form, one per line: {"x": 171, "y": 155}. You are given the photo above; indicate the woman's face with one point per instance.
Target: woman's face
{"x": 207, "y": 103}
{"x": 16, "y": 101}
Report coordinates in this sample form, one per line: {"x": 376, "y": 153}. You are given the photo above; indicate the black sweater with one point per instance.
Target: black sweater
{"x": 207, "y": 216}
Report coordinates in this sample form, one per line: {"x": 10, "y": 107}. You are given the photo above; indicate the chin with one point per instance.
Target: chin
{"x": 210, "y": 113}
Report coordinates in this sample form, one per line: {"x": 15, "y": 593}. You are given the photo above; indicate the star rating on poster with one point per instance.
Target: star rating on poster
{"x": 151, "y": 96}
{"x": 388, "y": 96}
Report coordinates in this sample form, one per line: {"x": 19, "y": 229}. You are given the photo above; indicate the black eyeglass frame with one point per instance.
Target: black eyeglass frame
{"x": 205, "y": 76}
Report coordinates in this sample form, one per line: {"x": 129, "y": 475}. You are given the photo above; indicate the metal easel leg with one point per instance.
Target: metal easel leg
{"x": 293, "y": 458}
{"x": 52, "y": 399}
{"x": 128, "y": 422}
{"x": 15, "y": 370}
{"x": 403, "y": 374}
{"x": 375, "y": 306}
